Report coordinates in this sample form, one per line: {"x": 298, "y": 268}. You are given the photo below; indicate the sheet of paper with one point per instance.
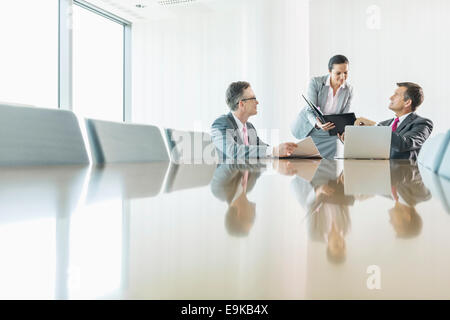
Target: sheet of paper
{"x": 306, "y": 169}
{"x": 306, "y": 149}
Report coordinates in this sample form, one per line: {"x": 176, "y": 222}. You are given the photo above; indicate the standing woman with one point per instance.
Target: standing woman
{"x": 332, "y": 95}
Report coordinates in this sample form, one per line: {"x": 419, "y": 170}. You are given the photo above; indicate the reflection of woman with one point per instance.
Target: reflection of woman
{"x": 333, "y": 95}
{"x": 327, "y": 208}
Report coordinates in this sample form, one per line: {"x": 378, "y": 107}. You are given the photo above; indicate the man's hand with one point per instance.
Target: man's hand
{"x": 341, "y": 136}
{"x": 325, "y": 126}
{"x": 284, "y": 149}
{"x": 364, "y": 122}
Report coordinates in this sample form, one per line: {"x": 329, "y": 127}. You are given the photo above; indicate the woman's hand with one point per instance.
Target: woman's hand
{"x": 324, "y": 191}
{"x": 325, "y": 126}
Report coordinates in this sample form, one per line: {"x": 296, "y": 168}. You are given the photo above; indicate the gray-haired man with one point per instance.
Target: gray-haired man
{"x": 234, "y": 136}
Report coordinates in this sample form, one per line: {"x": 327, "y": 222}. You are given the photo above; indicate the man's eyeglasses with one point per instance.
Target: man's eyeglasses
{"x": 246, "y": 99}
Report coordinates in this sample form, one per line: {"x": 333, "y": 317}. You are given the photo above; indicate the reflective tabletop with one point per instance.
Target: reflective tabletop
{"x": 288, "y": 229}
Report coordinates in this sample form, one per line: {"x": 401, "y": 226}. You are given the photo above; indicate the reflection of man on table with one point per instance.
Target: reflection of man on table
{"x": 231, "y": 183}
{"x": 407, "y": 191}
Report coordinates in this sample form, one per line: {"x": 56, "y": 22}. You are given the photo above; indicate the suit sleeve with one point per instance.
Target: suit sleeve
{"x": 223, "y": 140}
{"x": 414, "y": 139}
{"x": 313, "y": 96}
{"x": 306, "y": 119}
{"x": 346, "y": 109}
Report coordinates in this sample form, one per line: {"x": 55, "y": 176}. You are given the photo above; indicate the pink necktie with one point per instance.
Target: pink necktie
{"x": 244, "y": 180}
{"x": 394, "y": 193}
{"x": 245, "y": 135}
{"x": 394, "y": 126}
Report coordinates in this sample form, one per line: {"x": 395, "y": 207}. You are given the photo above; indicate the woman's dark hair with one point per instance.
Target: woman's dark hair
{"x": 338, "y": 59}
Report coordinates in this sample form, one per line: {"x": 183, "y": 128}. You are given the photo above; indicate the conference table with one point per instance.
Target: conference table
{"x": 273, "y": 229}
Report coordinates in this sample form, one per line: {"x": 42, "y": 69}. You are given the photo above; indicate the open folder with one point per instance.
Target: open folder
{"x": 340, "y": 120}
{"x": 306, "y": 149}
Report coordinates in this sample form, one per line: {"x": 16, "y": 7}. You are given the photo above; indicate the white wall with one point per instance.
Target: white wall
{"x": 182, "y": 66}
{"x": 411, "y": 44}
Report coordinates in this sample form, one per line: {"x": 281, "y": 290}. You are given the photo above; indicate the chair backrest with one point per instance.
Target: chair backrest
{"x": 113, "y": 142}
{"x": 189, "y": 147}
{"x": 444, "y": 168}
{"x": 432, "y": 151}
{"x": 38, "y": 136}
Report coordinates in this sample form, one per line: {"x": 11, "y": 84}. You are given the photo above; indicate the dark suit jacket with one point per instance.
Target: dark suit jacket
{"x": 406, "y": 178}
{"x": 409, "y": 137}
{"x": 226, "y": 138}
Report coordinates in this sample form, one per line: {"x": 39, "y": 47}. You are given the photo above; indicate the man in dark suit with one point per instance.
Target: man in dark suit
{"x": 235, "y": 137}
{"x": 409, "y": 131}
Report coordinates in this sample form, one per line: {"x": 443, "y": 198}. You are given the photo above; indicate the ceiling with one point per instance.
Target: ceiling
{"x": 142, "y": 10}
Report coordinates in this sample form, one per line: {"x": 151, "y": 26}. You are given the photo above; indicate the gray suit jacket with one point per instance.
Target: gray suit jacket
{"x": 318, "y": 94}
{"x": 227, "y": 178}
{"x": 409, "y": 137}
{"x": 226, "y": 138}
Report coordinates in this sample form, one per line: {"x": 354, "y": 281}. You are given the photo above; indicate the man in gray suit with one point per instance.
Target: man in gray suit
{"x": 235, "y": 137}
{"x": 409, "y": 131}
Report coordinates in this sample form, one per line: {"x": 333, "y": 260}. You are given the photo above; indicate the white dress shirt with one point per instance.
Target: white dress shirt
{"x": 331, "y": 105}
{"x": 241, "y": 134}
{"x": 240, "y": 127}
{"x": 331, "y": 211}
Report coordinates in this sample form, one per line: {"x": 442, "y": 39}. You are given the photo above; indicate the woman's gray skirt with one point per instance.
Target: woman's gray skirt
{"x": 324, "y": 142}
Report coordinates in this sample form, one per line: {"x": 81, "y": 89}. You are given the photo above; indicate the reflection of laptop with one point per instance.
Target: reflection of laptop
{"x": 362, "y": 142}
{"x": 367, "y": 177}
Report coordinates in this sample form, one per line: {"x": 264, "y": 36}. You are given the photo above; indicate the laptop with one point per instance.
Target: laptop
{"x": 364, "y": 142}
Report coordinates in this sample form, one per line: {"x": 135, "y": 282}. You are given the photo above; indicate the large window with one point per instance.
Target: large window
{"x": 98, "y": 65}
{"x": 29, "y": 53}
{"x": 66, "y": 54}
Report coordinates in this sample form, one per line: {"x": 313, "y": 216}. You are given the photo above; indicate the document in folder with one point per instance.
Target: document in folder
{"x": 315, "y": 110}
{"x": 306, "y": 149}
{"x": 340, "y": 120}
